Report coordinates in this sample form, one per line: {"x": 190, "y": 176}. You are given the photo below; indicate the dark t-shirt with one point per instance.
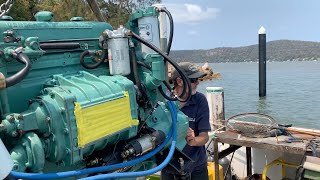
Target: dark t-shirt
{"x": 197, "y": 110}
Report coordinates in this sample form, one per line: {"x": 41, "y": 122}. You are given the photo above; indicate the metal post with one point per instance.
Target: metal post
{"x": 249, "y": 166}
{"x": 216, "y": 157}
{"x": 262, "y": 62}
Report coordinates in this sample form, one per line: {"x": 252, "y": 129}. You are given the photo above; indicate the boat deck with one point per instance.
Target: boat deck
{"x": 279, "y": 143}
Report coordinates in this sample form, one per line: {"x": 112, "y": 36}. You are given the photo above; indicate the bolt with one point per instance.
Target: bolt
{"x": 18, "y": 39}
{"x": 48, "y": 119}
{"x": 14, "y": 134}
{"x": 12, "y": 118}
{"x": 21, "y": 132}
{"x": 66, "y": 131}
{"x": 20, "y": 117}
{"x": 52, "y": 95}
{"x": 15, "y": 167}
{"x": 67, "y": 151}
{"x": 154, "y": 119}
{"x": 62, "y": 110}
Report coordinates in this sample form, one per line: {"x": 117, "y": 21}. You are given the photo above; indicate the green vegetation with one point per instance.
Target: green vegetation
{"x": 280, "y": 50}
{"x": 116, "y": 12}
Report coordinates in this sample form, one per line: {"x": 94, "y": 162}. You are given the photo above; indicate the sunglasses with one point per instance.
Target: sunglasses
{"x": 193, "y": 80}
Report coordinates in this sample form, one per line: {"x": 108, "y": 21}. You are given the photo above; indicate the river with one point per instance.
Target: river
{"x": 293, "y": 90}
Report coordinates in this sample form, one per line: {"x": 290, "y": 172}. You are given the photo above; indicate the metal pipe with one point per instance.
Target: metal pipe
{"x": 227, "y": 151}
{"x": 249, "y": 161}
{"x": 20, "y": 75}
{"x": 216, "y": 157}
{"x": 262, "y": 62}
{"x": 46, "y": 46}
{"x": 95, "y": 65}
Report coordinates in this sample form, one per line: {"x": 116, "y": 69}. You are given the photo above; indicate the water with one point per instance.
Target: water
{"x": 293, "y": 91}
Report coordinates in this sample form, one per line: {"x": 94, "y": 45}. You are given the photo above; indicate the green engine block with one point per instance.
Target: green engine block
{"x": 61, "y": 112}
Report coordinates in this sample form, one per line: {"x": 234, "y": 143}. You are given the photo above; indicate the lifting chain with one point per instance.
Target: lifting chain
{"x": 5, "y": 7}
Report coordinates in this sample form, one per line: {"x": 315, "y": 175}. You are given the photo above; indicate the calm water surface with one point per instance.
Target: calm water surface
{"x": 293, "y": 91}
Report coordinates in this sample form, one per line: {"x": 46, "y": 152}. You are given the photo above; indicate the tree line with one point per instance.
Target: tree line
{"x": 116, "y": 12}
{"x": 279, "y": 50}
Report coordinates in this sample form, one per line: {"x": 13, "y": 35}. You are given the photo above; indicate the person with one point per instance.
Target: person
{"x": 197, "y": 111}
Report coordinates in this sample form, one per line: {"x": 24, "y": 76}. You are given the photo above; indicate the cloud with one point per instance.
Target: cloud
{"x": 191, "y": 13}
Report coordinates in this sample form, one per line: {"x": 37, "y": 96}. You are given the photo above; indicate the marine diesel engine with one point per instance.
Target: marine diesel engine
{"x": 82, "y": 94}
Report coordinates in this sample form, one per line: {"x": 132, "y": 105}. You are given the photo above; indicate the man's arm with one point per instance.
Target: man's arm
{"x": 200, "y": 140}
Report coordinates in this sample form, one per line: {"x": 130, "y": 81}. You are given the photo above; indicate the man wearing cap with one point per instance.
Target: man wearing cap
{"x": 197, "y": 111}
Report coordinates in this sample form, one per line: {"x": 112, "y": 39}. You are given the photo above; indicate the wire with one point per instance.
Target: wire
{"x": 225, "y": 174}
{"x": 95, "y": 65}
{"x": 114, "y": 150}
{"x": 169, "y": 98}
{"x": 171, "y": 29}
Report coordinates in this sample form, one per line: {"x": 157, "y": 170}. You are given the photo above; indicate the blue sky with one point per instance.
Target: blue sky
{"x": 208, "y": 24}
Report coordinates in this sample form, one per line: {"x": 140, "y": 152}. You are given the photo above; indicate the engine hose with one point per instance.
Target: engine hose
{"x": 184, "y": 77}
{"x": 135, "y": 73}
{"x": 20, "y": 75}
{"x": 164, "y": 94}
{"x": 64, "y": 45}
{"x": 101, "y": 169}
{"x": 97, "y": 64}
{"x": 171, "y": 29}
{"x": 150, "y": 171}
{"x": 160, "y": 87}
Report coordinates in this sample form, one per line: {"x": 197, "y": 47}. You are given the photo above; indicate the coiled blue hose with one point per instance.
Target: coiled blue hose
{"x": 101, "y": 169}
{"x": 150, "y": 171}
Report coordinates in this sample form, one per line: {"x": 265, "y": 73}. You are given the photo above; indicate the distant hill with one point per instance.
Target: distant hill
{"x": 280, "y": 50}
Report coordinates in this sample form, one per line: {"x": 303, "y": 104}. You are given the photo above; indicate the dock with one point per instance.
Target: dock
{"x": 283, "y": 144}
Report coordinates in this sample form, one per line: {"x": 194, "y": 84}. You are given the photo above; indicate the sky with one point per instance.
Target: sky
{"x": 208, "y": 24}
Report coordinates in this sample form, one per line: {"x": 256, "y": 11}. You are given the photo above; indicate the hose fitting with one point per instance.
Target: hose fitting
{"x": 20, "y": 75}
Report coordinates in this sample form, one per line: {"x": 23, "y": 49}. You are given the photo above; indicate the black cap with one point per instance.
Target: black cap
{"x": 191, "y": 70}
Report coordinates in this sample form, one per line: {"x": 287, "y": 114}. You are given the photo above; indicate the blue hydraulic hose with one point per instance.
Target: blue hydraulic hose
{"x": 100, "y": 169}
{"x": 150, "y": 171}
{"x": 66, "y": 174}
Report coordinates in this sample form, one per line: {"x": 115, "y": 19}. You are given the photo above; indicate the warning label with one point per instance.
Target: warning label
{"x": 145, "y": 31}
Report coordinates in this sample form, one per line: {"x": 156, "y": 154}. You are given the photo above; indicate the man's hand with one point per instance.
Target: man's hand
{"x": 190, "y": 137}
{"x": 200, "y": 140}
